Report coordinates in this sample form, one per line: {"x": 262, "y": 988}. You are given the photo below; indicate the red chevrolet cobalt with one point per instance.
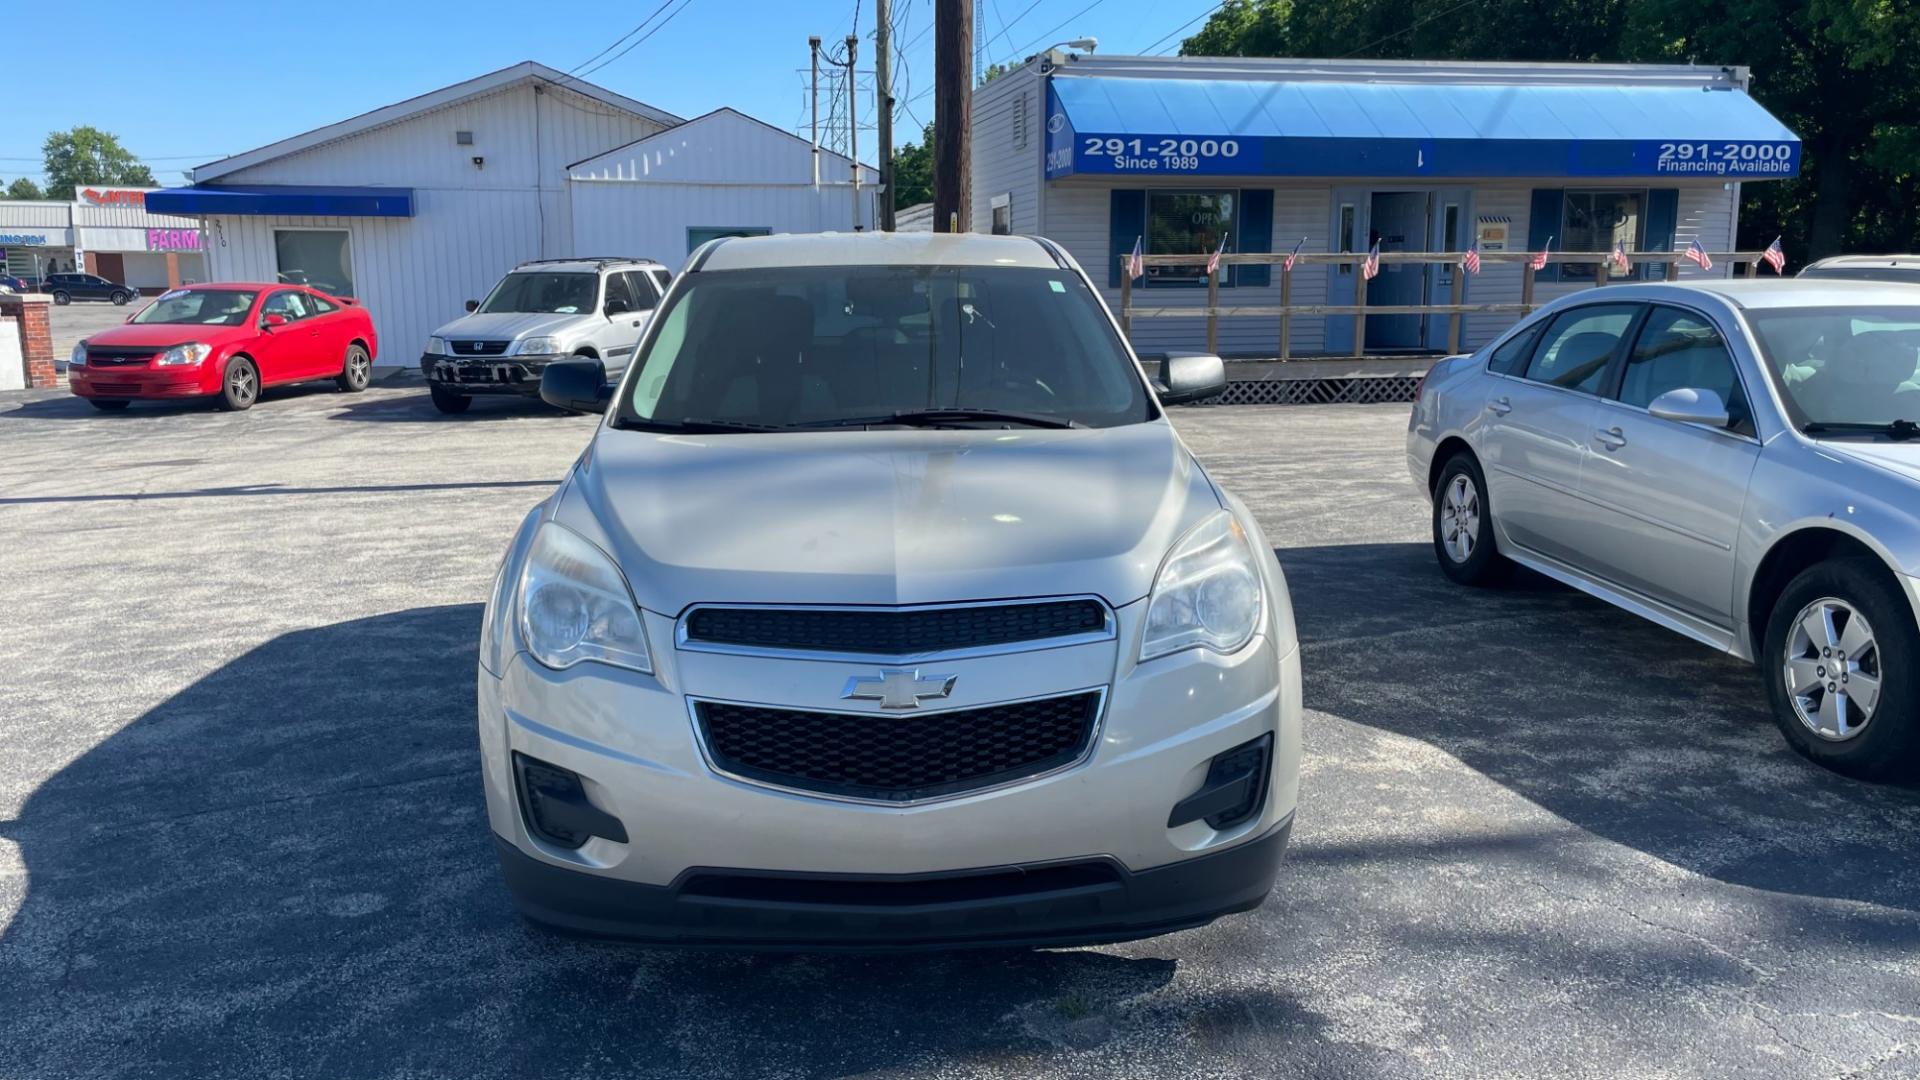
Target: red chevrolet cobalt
{"x": 226, "y": 342}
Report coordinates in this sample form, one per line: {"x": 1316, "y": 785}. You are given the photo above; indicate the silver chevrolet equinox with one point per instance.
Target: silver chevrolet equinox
{"x": 886, "y": 609}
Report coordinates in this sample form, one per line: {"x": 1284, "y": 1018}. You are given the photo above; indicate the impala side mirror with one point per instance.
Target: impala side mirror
{"x": 1692, "y": 406}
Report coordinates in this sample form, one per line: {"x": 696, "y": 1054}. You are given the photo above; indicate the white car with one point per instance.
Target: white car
{"x": 542, "y": 311}
{"x": 886, "y": 609}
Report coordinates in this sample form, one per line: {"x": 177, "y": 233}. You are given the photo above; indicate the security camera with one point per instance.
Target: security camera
{"x": 479, "y": 162}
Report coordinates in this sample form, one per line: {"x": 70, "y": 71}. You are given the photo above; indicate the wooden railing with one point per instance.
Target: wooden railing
{"x": 1747, "y": 262}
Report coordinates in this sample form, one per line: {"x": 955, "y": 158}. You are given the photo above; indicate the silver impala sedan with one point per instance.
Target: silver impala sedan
{"x": 886, "y": 609}
{"x": 1737, "y": 461}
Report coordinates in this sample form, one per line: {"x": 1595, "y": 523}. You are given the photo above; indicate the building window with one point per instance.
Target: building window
{"x": 1346, "y": 236}
{"x": 1593, "y": 221}
{"x": 1002, "y": 214}
{"x": 700, "y": 234}
{"x": 1190, "y": 223}
{"x": 320, "y": 258}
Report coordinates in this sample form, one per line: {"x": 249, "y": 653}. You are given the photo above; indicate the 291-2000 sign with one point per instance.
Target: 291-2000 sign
{"x": 1170, "y": 154}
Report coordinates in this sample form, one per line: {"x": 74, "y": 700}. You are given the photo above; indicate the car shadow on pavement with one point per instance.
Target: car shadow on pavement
{"x": 418, "y": 408}
{"x": 286, "y": 869}
{"x": 66, "y": 406}
{"x": 1628, "y": 731}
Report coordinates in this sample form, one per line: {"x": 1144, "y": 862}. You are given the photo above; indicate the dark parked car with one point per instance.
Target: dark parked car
{"x": 66, "y": 288}
{"x": 9, "y": 283}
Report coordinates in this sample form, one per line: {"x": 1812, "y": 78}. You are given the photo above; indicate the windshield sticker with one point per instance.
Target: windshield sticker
{"x": 568, "y": 310}
{"x": 1058, "y": 286}
{"x": 174, "y": 295}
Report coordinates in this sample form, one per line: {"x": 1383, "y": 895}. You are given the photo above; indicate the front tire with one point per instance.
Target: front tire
{"x": 449, "y": 402}
{"x": 1842, "y": 664}
{"x": 120, "y": 298}
{"x": 240, "y": 387}
{"x": 62, "y": 298}
{"x": 1463, "y": 527}
{"x": 356, "y": 372}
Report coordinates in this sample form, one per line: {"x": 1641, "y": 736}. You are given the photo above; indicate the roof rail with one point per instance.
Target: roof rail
{"x": 596, "y": 260}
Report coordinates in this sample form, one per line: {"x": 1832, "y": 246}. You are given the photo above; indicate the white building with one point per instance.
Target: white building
{"x": 1178, "y": 153}
{"x": 103, "y": 230}
{"x": 419, "y": 206}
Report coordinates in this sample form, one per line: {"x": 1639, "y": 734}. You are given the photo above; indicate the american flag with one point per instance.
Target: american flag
{"x": 1471, "y": 262}
{"x": 1539, "y": 261}
{"x": 1371, "y": 268}
{"x": 1136, "y": 262}
{"x": 1697, "y": 255}
{"x": 1294, "y": 255}
{"x": 1775, "y": 256}
{"x": 1619, "y": 257}
{"x": 1213, "y": 260}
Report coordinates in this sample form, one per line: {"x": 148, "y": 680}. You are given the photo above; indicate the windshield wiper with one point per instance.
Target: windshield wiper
{"x": 937, "y": 417}
{"x": 694, "y": 426}
{"x": 1897, "y": 430}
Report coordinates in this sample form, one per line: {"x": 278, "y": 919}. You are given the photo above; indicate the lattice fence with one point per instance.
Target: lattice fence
{"x": 1358, "y": 390}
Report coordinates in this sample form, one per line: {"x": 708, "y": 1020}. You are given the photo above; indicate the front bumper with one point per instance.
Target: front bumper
{"x": 632, "y": 741}
{"x": 144, "y": 382}
{"x": 487, "y": 374}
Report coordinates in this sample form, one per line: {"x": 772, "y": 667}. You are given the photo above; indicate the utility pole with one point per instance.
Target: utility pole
{"x": 853, "y": 125}
{"x": 883, "y": 108}
{"x": 813, "y": 43}
{"x": 952, "y": 109}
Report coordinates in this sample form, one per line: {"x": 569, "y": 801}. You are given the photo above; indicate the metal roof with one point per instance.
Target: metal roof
{"x": 1158, "y": 127}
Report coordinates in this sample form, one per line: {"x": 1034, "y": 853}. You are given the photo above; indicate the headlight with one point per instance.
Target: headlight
{"x": 436, "y": 346}
{"x": 1207, "y": 595}
{"x": 79, "y": 357}
{"x": 575, "y": 606}
{"x": 181, "y": 355}
{"x": 537, "y": 346}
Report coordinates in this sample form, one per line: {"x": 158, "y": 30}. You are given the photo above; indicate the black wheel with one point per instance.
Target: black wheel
{"x": 62, "y": 297}
{"x": 107, "y": 404}
{"x": 1463, "y": 527}
{"x": 356, "y": 372}
{"x": 449, "y": 402}
{"x": 120, "y": 298}
{"x": 241, "y": 386}
{"x": 1842, "y": 664}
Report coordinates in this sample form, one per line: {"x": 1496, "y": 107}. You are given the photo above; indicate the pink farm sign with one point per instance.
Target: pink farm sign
{"x": 173, "y": 239}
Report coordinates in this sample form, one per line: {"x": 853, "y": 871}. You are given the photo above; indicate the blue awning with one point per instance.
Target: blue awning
{"x": 285, "y": 199}
{"x": 1207, "y": 127}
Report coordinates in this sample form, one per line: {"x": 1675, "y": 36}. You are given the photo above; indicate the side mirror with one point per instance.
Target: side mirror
{"x": 1188, "y": 377}
{"x": 473, "y": 306}
{"x": 577, "y": 385}
{"x": 271, "y": 321}
{"x": 617, "y": 306}
{"x": 1689, "y": 406}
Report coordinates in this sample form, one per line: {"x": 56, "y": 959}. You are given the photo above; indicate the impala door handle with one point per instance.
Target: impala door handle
{"x": 1499, "y": 406}
{"x": 1612, "y": 438}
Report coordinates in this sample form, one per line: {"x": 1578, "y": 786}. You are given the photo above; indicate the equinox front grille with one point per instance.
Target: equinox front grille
{"x": 895, "y": 757}
{"x": 882, "y": 632}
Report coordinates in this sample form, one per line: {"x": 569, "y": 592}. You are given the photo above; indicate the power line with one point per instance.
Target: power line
{"x": 637, "y": 42}
{"x": 616, "y": 41}
{"x": 1148, "y": 51}
{"x": 1006, "y": 26}
{"x": 1409, "y": 28}
{"x": 1068, "y": 21}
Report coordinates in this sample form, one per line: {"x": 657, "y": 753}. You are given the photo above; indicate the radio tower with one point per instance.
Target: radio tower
{"x": 979, "y": 27}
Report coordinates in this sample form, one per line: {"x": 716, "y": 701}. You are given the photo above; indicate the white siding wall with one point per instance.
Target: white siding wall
{"x": 1009, "y": 148}
{"x": 34, "y": 215}
{"x": 722, "y": 147}
{"x": 651, "y": 219}
{"x": 412, "y": 274}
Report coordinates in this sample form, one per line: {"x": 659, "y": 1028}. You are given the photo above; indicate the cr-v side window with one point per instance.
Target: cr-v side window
{"x": 1509, "y": 358}
{"x": 1579, "y": 345}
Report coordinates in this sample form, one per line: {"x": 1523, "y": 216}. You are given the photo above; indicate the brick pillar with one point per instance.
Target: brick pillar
{"x": 32, "y": 311}
{"x": 173, "y": 269}
{"x": 93, "y": 267}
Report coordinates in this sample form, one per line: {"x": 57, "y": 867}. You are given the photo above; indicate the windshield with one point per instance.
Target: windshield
{"x": 201, "y": 307}
{"x": 828, "y": 346}
{"x": 543, "y": 293}
{"x": 1843, "y": 365}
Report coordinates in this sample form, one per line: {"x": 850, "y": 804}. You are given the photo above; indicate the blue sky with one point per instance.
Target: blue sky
{"x": 182, "y": 84}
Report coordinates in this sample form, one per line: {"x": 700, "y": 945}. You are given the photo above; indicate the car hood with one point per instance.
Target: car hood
{"x": 1902, "y": 459}
{"x": 166, "y": 335}
{"x": 508, "y": 325}
{"x": 887, "y": 517}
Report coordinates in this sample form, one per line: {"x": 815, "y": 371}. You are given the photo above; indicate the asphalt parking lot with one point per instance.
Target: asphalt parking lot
{"x": 81, "y": 319}
{"x": 241, "y": 828}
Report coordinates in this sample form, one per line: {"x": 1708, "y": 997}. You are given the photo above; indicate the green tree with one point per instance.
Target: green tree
{"x": 87, "y": 155}
{"x": 992, "y": 72}
{"x": 1841, "y": 73}
{"x": 913, "y": 172}
{"x": 24, "y": 188}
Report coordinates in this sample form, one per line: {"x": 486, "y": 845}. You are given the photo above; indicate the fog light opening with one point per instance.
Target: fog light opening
{"x": 553, "y": 802}
{"x": 1234, "y": 791}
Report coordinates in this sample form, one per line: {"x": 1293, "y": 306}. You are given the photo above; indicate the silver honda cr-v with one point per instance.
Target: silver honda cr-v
{"x": 886, "y": 609}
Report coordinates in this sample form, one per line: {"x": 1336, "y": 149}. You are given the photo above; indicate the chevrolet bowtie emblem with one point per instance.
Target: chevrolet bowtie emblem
{"x": 898, "y": 689}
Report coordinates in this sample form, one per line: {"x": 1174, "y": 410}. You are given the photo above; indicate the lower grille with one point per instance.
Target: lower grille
{"x": 120, "y": 389}
{"x": 893, "y": 758}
